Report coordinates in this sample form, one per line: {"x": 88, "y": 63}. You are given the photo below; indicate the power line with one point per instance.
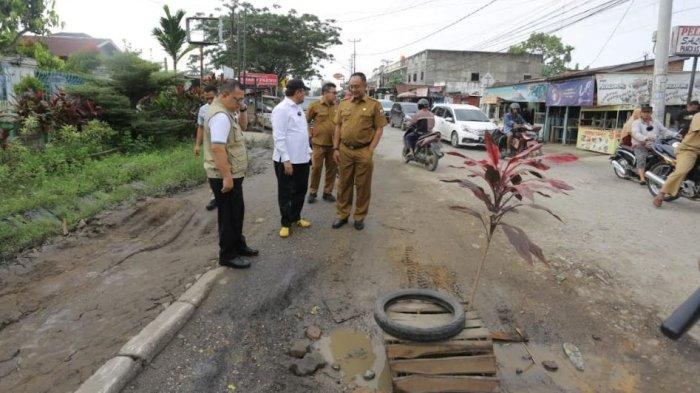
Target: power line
{"x": 612, "y": 33}
{"x": 435, "y": 32}
{"x": 392, "y": 11}
{"x": 354, "y": 53}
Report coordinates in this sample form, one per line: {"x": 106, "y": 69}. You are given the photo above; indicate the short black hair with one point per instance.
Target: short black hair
{"x": 647, "y": 109}
{"x": 694, "y": 102}
{"x": 327, "y": 86}
{"x": 230, "y": 86}
{"x": 360, "y": 75}
{"x": 289, "y": 92}
{"x": 211, "y": 89}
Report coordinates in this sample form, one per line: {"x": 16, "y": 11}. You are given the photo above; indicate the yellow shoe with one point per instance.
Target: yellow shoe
{"x": 284, "y": 232}
{"x": 303, "y": 223}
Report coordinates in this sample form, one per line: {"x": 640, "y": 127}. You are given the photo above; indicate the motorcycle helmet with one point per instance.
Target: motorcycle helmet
{"x": 515, "y": 105}
{"x": 423, "y": 104}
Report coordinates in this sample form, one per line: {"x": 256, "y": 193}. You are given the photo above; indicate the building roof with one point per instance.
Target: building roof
{"x": 635, "y": 65}
{"x": 65, "y": 44}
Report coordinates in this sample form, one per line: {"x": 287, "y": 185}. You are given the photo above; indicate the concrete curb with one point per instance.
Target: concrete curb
{"x": 151, "y": 340}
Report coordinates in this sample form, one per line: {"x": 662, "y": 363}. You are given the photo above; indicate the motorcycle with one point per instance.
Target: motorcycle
{"x": 624, "y": 162}
{"x": 428, "y": 149}
{"x": 524, "y": 136}
{"x": 657, "y": 175}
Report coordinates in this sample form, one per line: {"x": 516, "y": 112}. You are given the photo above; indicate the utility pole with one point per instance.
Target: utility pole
{"x": 243, "y": 34}
{"x": 233, "y": 27}
{"x": 354, "y": 53}
{"x": 663, "y": 33}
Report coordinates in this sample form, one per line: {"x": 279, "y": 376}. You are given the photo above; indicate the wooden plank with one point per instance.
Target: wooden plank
{"x": 415, "y": 350}
{"x": 479, "y": 364}
{"x": 452, "y": 384}
{"x": 466, "y": 334}
{"x": 511, "y": 336}
{"x": 430, "y": 320}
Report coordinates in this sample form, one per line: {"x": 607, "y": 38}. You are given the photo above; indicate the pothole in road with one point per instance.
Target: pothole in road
{"x": 355, "y": 352}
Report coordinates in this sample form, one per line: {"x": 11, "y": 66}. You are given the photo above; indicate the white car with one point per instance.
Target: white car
{"x": 462, "y": 125}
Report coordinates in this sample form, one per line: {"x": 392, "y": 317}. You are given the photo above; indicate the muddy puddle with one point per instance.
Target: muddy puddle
{"x": 356, "y": 353}
{"x": 599, "y": 375}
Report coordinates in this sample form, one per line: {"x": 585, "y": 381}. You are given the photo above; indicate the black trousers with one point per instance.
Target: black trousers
{"x": 291, "y": 191}
{"x": 231, "y": 210}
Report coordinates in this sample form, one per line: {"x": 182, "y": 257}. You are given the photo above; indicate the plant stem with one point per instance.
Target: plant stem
{"x": 478, "y": 271}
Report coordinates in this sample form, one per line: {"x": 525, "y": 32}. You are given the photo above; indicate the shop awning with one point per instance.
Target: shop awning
{"x": 408, "y": 94}
{"x": 490, "y": 99}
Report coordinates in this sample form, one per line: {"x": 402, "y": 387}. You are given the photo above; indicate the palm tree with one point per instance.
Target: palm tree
{"x": 171, "y": 35}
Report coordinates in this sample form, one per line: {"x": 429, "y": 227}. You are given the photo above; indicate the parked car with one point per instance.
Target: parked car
{"x": 401, "y": 113}
{"x": 462, "y": 125}
{"x": 387, "y": 105}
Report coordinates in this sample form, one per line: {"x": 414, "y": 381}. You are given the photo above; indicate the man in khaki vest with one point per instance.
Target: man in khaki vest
{"x": 686, "y": 155}
{"x": 359, "y": 123}
{"x": 226, "y": 162}
{"x": 321, "y": 128}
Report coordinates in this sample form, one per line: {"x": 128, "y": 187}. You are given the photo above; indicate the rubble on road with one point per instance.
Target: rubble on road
{"x": 299, "y": 348}
{"x": 307, "y": 365}
{"x": 313, "y": 332}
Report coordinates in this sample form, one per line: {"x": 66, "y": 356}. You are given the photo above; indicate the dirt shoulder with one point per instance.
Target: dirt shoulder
{"x": 69, "y": 306}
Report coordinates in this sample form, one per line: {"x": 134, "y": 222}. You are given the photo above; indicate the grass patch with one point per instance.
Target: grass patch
{"x": 30, "y": 213}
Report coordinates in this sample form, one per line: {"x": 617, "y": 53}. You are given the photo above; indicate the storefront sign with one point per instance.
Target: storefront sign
{"x": 526, "y": 92}
{"x": 686, "y": 41}
{"x": 635, "y": 89}
{"x": 252, "y": 78}
{"x": 598, "y": 140}
{"x": 575, "y": 92}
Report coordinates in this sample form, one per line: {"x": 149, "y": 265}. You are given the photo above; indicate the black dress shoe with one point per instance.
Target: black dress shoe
{"x": 235, "y": 263}
{"x": 339, "y": 223}
{"x": 248, "y": 252}
{"x": 328, "y": 197}
{"x": 211, "y": 205}
{"x": 312, "y": 198}
{"x": 359, "y": 225}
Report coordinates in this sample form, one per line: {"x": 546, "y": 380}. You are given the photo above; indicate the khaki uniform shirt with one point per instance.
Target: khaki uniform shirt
{"x": 691, "y": 141}
{"x": 322, "y": 115}
{"x": 359, "y": 119}
{"x": 235, "y": 145}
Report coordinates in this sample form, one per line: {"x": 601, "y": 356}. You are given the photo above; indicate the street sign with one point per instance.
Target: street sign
{"x": 487, "y": 80}
{"x": 253, "y": 78}
{"x": 338, "y": 76}
{"x": 686, "y": 41}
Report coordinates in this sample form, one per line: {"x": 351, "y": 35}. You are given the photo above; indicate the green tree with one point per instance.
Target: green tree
{"x": 283, "y": 44}
{"x": 556, "y": 55}
{"x": 18, "y": 17}
{"x": 394, "y": 79}
{"x": 131, "y": 76}
{"x": 45, "y": 60}
{"x": 83, "y": 62}
{"x": 171, "y": 36}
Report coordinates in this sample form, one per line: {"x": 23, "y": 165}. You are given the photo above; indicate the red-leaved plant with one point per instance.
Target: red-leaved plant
{"x": 513, "y": 184}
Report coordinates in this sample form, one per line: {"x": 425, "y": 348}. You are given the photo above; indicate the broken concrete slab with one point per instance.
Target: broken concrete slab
{"x": 156, "y": 335}
{"x": 299, "y": 348}
{"x": 308, "y": 365}
{"x": 112, "y": 377}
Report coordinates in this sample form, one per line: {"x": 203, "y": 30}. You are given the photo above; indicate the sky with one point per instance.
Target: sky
{"x": 389, "y": 29}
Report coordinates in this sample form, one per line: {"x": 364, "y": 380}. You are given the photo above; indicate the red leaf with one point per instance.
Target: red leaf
{"x": 522, "y": 244}
{"x": 492, "y": 176}
{"x": 559, "y": 184}
{"x": 471, "y": 212}
{"x": 478, "y": 191}
{"x": 525, "y": 191}
{"x": 526, "y": 152}
{"x": 454, "y": 153}
{"x": 559, "y": 158}
{"x": 492, "y": 149}
{"x": 536, "y": 164}
{"x": 540, "y": 207}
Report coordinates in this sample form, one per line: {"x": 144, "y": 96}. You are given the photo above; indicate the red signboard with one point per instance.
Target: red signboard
{"x": 338, "y": 76}
{"x": 253, "y": 78}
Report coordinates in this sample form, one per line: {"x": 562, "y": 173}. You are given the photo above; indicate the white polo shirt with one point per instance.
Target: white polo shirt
{"x": 290, "y": 133}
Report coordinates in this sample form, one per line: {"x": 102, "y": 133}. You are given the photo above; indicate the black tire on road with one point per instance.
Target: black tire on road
{"x": 661, "y": 170}
{"x": 622, "y": 162}
{"x": 432, "y": 162}
{"x": 454, "y": 139}
{"x": 418, "y": 334}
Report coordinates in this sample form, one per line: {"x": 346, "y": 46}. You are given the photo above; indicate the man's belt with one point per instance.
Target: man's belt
{"x": 355, "y": 146}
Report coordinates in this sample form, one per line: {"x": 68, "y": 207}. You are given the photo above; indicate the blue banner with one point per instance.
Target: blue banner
{"x": 526, "y": 92}
{"x": 575, "y": 92}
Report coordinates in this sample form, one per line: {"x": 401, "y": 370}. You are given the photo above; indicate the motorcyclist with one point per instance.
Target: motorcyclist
{"x": 422, "y": 113}
{"x": 646, "y": 130}
{"x": 510, "y": 121}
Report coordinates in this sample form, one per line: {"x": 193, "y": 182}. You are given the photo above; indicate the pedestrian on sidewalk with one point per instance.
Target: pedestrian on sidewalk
{"x": 226, "y": 162}
{"x": 359, "y": 123}
{"x": 686, "y": 155}
{"x": 291, "y": 156}
{"x": 321, "y": 128}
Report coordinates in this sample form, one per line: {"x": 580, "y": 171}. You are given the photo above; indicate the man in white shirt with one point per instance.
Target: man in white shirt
{"x": 226, "y": 162}
{"x": 292, "y": 155}
{"x": 210, "y": 92}
{"x": 644, "y": 131}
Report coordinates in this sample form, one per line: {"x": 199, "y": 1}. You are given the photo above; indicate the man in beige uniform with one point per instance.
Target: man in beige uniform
{"x": 358, "y": 128}
{"x": 686, "y": 155}
{"x": 321, "y": 128}
{"x": 226, "y": 162}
